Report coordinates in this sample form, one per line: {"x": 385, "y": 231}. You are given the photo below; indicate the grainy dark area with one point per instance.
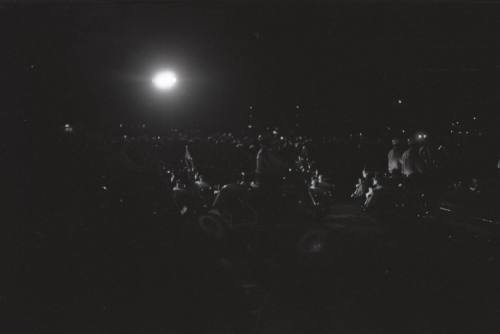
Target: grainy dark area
{"x": 250, "y": 167}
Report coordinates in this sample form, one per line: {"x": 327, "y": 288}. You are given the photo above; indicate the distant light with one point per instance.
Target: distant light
{"x": 400, "y": 101}
{"x": 275, "y": 132}
{"x": 251, "y": 107}
{"x": 104, "y": 188}
{"x": 121, "y": 125}
{"x": 164, "y": 80}
{"x": 282, "y": 138}
{"x": 297, "y": 107}
{"x": 474, "y": 118}
{"x": 158, "y": 137}
{"x": 67, "y": 126}
{"x": 143, "y": 126}
{"x": 250, "y": 126}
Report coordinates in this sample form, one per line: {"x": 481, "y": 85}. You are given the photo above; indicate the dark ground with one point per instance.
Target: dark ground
{"x": 351, "y": 274}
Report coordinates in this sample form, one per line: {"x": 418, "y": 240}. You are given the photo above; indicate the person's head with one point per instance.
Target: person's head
{"x": 412, "y": 141}
{"x": 396, "y": 142}
{"x": 377, "y": 179}
{"x": 264, "y": 140}
{"x": 366, "y": 173}
{"x": 396, "y": 172}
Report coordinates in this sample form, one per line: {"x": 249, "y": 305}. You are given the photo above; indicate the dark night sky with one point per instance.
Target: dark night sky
{"x": 93, "y": 62}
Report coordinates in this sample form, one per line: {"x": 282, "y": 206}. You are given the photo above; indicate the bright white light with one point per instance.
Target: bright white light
{"x": 164, "y": 80}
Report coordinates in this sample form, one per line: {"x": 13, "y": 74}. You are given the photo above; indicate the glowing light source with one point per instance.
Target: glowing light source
{"x": 165, "y": 80}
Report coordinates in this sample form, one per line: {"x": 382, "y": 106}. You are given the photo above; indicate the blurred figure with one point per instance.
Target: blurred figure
{"x": 411, "y": 162}
{"x": 363, "y": 185}
{"x": 475, "y": 185}
{"x": 190, "y": 167}
{"x": 269, "y": 167}
{"x": 375, "y": 195}
{"x": 201, "y": 183}
{"x": 394, "y": 157}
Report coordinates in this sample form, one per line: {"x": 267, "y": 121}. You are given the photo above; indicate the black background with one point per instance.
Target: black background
{"x": 92, "y": 62}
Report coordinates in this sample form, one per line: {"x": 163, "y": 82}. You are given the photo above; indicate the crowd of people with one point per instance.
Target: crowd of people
{"x": 195, "y": 173}
{"x": 186, "y": 202}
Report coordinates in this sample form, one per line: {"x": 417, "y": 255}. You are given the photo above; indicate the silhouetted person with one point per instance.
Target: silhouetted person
{"x": 395, "y": 156}
{"x": 412, "y": 163}
{"x": 269, "y": 167}
{"x": 363, "y": 185}
{"x": 375, "y": 196}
